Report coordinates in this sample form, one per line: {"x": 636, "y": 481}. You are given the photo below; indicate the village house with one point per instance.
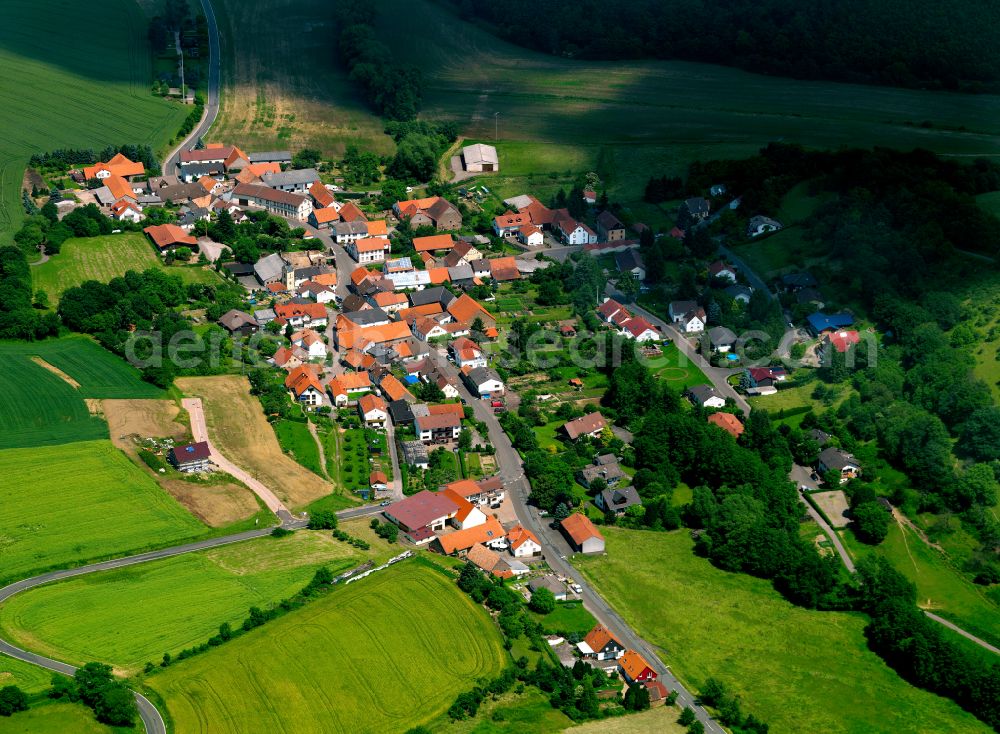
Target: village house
{"x": 119, "y": 166}
{"x": 582, "y": 534}
{"x": 617, "y": 499}
{"x": 503, "y": 269}
{"x": 311, "y": 342}
{"x": 509, "y": 223}
{"x": 696, "y": 208}
{"x": 832, "y": 459}
{"x": 550, "y": 582}
{"x": 721, "y": 339}
{"x": 591, "y": 425}
{"x": 721, "y": 270}
{"x": 639, "y": 329}
{"x": 601, "y": 644}
{"x": 759, "y": 225}
{"x": 294, "y": 181}
{"x": 610, "y": 472}
{"x": 433, "y": 243}
{"x": 325, "y": 218}
{"x": 763, "y": 376}
{"x": 490, "y": 534}
{"x": 424, "y": 510}
{"x": 487, "y": 491}
{"x": 570, "y": 231}
{"x": 522, "y": 543}
{"x": 630, "y": 261}
{"x": 378, "y": 481}
{"x": 434, "y": 211}
{"x": 739, "y": 293}
{"x": 635, "y": 669}
{"x": 530, "y": 236}
{"x": 282, "y": 203}
{"x": 305, "y": 386}
{"x": 437, "y": 429}
{"x": 287, "y": 359}
{"x": 169, "y": 237}
{"x": 237, "y": 322}
{"x": 688, "y": 315}
{"x": 484, "y": 382}
{"x": 838, "y": 341}
{"x": 728, "y": 423}
{"x": 192, "y": 457}
{"x": 373, "y": 411}
{"x": 127, "y": 211}
{"x": 368, "y": 250}
{"x": 466, "y": 353}
{"x": 821, "y": 323}
{"x": 609, "y": 227}
{"x": 706, "y": 396}
{"x": 468, "y": 515}
{"x": 493, "y": 563}
{"x": 302, "y": 314}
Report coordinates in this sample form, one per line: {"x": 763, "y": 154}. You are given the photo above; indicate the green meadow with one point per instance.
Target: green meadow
{"x": 75, "y": 75}
{"x": 382, "y": 655}
{"x": 797, "y": 669}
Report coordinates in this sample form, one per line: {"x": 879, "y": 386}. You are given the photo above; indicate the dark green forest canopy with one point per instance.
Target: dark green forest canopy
{"x": 908, "y": 43}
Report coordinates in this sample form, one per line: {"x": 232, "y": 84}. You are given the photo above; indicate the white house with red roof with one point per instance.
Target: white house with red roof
{"x": 639, "y": 329}
{"x": 719, "y": 269}
{"x": 522, "y": 543}
{"x": 466, "y": 353}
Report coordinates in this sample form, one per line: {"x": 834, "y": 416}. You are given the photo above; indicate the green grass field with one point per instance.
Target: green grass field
{"x": 104, "y": 258}
{"x": 796, "y": 669}
{"x": 628, "y": 119}
{"x": 568, "y": 617}
{"x": 81, "y": 619}
{"x": 41, "y": 409}
{"x": 80, "y": 501}
{"x": 940, "y": 588}
{"x": 99, "y": 373}
{"x": 297, "y": 442}
{"x": 55, "y": 718}
{"x": 382, "y": 655}
{"x": 674, "y": 368}
{"x": 80, "y": 82}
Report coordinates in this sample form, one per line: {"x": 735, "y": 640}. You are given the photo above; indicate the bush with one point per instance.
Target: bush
{"x": 12, "y": 700}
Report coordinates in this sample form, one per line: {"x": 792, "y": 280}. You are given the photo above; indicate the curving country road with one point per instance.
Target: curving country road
{"x": 212, "y": 97}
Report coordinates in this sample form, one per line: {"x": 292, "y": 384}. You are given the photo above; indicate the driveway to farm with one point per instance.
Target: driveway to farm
{"x": 557, "y": 550}
{"x": 801, "y": 475}
{"x": 212, "y": 97}
{"x": 200, "y": 432}
{"x": 717, "y": 376}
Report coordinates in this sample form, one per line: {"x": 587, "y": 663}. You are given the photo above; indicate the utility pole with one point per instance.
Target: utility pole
{"x": 496, "y": 126}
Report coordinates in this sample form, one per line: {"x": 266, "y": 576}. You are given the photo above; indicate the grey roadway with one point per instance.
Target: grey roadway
{"x": 212, "y": 97}
{"x": 558, "y": 551}
{"x": 150, "y": 716}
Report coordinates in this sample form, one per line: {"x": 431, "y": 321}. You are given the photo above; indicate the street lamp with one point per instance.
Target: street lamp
{"x": 496, "y": 126}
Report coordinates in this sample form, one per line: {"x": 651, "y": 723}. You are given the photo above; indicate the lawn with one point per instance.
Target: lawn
{"x": 323, "y": 659}
{"x": 40, "y": 408}
{"x": 780, "y": 252}
{"x": 104, "y": 258}
{"x": 98, "y": 372}
{"x": 58, "y": 92}
{"x": 569, "y": 617}
{"x": 82, "y": 619}
{"x": 298, "y": 442}
{"x": 674, "y": 368}
{"x": 55, "y": 718}
{"x": 940, "y": 588}
{"x": 626, "y": 119}
{"x": 512, "y": 714}
{"x": 798, "y": 670}
{"x": 79, "y": 502}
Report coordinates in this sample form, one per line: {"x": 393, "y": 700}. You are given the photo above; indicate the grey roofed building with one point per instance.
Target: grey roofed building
{"x": 518, "y": 202}
{"x": 149, "y": 200}
{"x": 703, "y": 393}
{"x": 612, "y": 474}
{"x": 697, "y": 206}
{"x": 197, "y": 170}
{"x": 629, "y": 260}
{"x": 400, "y": 412}
{"x": 269, "y": 269}
{"x": 265, "y": 315}
{"x": 605, "y": 459}
{"x": 739, "y": 292}
{"x": 460, "y": 273}
{"x": 420, "y": 410}
{"x": 271, "y": 156}
{"x": 820, "y": 437}
{"x": 354, "y": 303}
{"x": 415, "y": 453}
{"x": 550, "y": 582}
{"x": 481, "y": 375}
{"x": 437, "y": 294}
{"x": 312, "y": 271}
{"x": 618, "y": 499}
{"x": 720, "y": 336}
{"x": 236, "y": 320}
{"x": 104, "y": 196}
{"x": 238, "y": 269}
{"x": 367, "y": 317}
{"x": 801, "y": 279}
{"x": 836, "y": 459}
{"x": 809, "y": 295}
{"x": 298, "y": 179}
{"x": 350, "y": 229}
{"x": 182, "y": 192}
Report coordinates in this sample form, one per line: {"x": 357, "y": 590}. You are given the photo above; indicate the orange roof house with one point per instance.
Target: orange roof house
{"x": 394, "y": 389}
{"x": 461, "y": 540}
{"x": 259, "y": 169}
{"x": 635, "y": 668}
{"x": 165, "y": 236}
{"x": 363, "y": 336}
{"x": 504, "y": 268}
{"x": 349, "y": 212}
{"x": 321, "y": 195}
{"x": 584, "y": 535}
{"x": 120, "y": 188}
{"x": 489, "y": 561}
{"x": 438, "y": 275}
{"x": 602, "y": 644}
{"x": 119, "y": 166}
{"x": 433, "y": 242}
{"x": 355, "y": 381}
{"x": 518, "y": 536}
{"x": 300, "y": 379}
{"x": 466, "y": 309}
{"x": 728, "y": 423}
{"x": 325, "y": 215}
{"x": 378, "y": 228}
{"x": 456, "y": 409}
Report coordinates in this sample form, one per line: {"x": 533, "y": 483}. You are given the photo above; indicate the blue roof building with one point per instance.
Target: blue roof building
{"x": 820, "y": 322}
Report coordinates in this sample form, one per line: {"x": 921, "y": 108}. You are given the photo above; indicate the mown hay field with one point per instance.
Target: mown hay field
{"x": 103, "y": 258}
{"x": 797, "y": 669}
{"x": 133, "y": 615}
{"x": 65, "y": 505}
{"x": 75, "y": 75}
{"x": 382, "y": 655}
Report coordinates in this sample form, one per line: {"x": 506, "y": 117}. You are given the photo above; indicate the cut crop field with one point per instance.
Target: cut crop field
{"x": 271, "y": 99}
{"x": 68, "y": 504}
{"x": 314, "y": 669}
{"x": 629, "y": 119}
{"x": 104, "y": 258}
{"x": 797, "y": 669}
{"x": 239, "y": 429}
{"x": 126, "y": 617}
{"x": 55, "y": 718}
{"x": 75, "y": 75}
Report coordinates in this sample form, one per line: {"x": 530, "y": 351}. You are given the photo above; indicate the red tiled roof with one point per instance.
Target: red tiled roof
{"x": 580, "y": 528}
{"x": 421, "y": 509}
{"x": 433, "y": 242}
{"x": 169, "y": 235}
{"x": 728, "y": 423}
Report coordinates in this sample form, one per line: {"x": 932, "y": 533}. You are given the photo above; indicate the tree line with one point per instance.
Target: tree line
{"x": 909, "y": 43}
{"x": 393, "y": 90}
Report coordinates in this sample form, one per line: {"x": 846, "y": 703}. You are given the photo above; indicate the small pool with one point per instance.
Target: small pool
{"x": 733, "y": 357}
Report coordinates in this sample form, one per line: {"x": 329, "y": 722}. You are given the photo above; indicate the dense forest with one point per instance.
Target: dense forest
{"x": 909, "y": 43}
